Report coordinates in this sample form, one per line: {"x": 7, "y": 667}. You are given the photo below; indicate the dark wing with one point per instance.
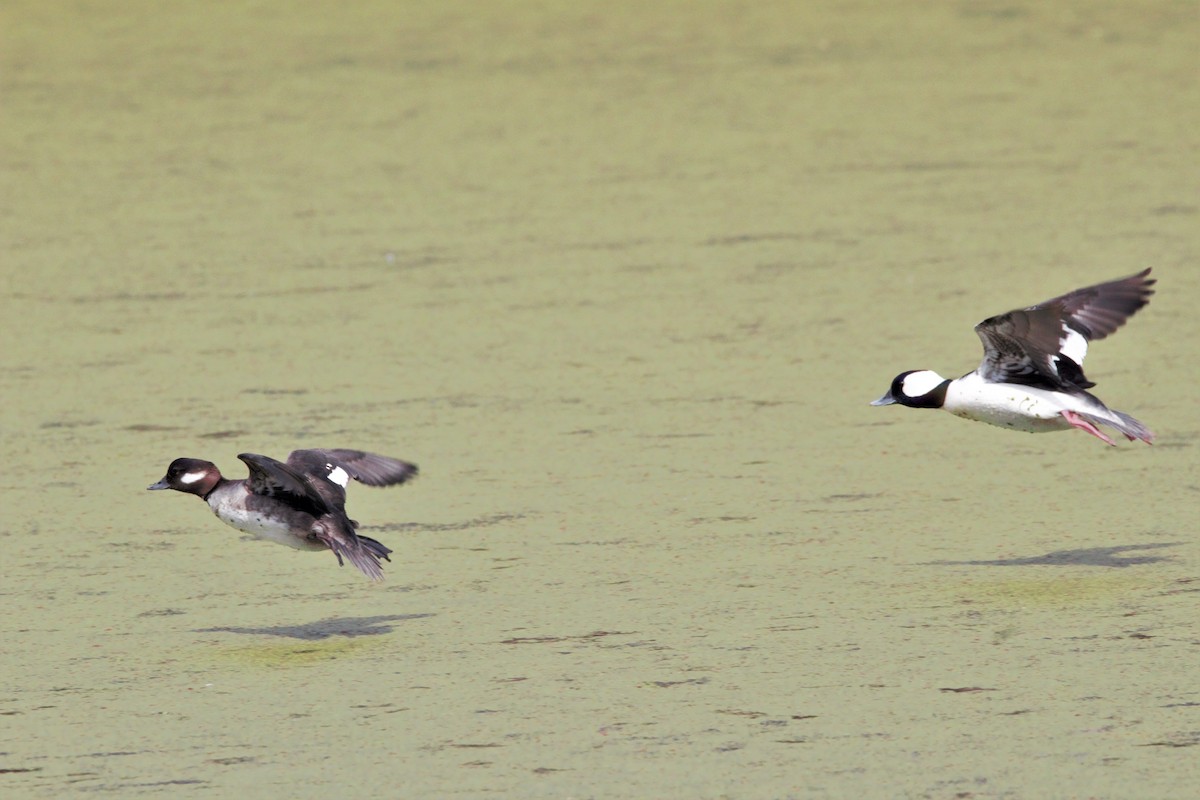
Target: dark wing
{"x": 270, "y": 478}
{"x": 366, "y": 468}
{"x": 1097, "y": 311}
{"x": 1044, "y": 345}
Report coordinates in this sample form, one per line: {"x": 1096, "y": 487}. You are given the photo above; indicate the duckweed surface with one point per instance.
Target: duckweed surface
{"x": 622, "y": 278}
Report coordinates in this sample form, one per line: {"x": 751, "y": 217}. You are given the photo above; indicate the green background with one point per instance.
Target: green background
{"x": 621, "y": 277}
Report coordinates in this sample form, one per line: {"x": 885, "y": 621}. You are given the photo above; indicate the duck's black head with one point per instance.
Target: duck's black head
{"x": 917, "y": 388}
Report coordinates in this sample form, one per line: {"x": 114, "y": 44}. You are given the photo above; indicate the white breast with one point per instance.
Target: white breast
{"x": 261, "y": 526}
{"x": 1007, "y": 405}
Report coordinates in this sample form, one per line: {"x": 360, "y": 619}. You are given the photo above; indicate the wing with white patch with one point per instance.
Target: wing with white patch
{"x": 1044, "y": 345}
{"x": 328, "y": 472}
{"x": 340, "y": 465}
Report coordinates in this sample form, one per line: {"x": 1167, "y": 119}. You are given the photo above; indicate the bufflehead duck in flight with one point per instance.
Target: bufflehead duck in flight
{"x": 1031, "y": 378}
{"x": 301, "y": 504}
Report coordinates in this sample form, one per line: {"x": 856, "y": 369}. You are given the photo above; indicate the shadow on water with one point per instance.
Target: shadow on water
{"x": 325, "y": 629}
{"x": 1084, "y": 557}
{"x": 471, "y": 524}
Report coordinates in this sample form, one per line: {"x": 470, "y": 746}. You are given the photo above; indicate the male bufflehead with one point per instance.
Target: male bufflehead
{"x": 301, "y": 504}
{"x": 1031, "y": 378}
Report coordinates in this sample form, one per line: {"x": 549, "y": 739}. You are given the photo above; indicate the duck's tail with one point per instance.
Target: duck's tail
{"x": 361, "y": 551}
{"x": 1129, "y": 427}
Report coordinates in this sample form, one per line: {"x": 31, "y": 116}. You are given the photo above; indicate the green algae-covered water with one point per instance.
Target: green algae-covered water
{"x": 621, "y": 279}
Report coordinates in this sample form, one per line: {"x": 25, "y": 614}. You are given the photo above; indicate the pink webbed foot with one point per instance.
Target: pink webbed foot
{"x": 1077, "y": 421}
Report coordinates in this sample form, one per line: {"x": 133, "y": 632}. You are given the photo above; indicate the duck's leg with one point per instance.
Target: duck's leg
{"x": 1077, "y": 421}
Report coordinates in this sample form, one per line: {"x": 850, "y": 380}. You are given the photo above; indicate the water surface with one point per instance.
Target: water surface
{"x": 622, "y": 280}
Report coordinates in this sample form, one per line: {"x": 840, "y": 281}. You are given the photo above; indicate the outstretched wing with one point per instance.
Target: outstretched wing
{"x": 271, "y": 478}
{"x": 328, "y": 472}
{"x": 1044, "y": 345}
{"x": 367, "y": 468}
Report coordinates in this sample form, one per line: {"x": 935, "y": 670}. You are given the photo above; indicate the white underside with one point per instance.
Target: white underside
{"x": 265, "y": 528}
{"x": 1007, "y": 405}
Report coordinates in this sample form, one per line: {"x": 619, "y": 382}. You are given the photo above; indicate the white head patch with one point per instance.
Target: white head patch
{"x": 921, "y": 382}
{"x": 192, "y": 477}
{"x": 338, "y": 476}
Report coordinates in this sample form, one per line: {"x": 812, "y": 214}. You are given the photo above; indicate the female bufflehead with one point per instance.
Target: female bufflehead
{"x": 1031, "y": 378}
{"x": 301, "y": 503}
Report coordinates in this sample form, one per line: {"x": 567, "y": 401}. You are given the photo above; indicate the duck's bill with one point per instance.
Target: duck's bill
{"x": 160, "y": 485}
{"x": 886, "y": 400}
